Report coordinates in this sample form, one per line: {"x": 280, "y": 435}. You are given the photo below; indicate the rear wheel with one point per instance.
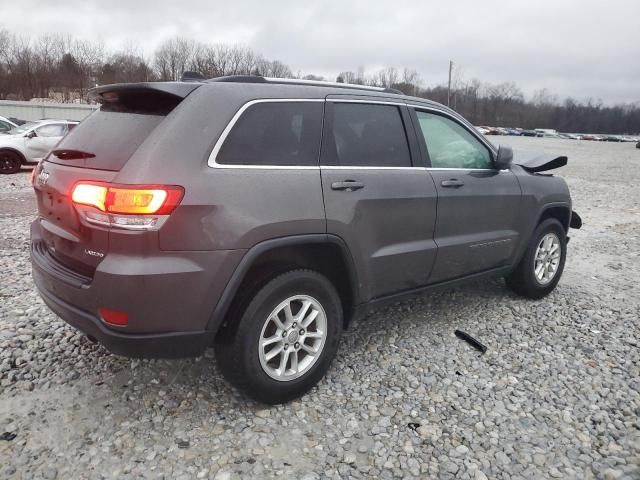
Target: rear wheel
{"x": 541, "y": 267}
{"x": 285, "y": 339}
{"x": 10, "y": 162}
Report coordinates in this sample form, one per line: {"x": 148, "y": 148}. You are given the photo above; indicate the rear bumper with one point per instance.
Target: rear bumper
{"x": 142, "y": 345}
{"x": 169, "y": 297}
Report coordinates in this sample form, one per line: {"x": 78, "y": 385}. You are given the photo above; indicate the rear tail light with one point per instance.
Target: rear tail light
{"x": 135, "y": 207}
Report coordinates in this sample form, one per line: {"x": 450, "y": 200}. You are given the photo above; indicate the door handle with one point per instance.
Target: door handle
{"x": 453, "y": 183}
{"x": 348, "y": 185}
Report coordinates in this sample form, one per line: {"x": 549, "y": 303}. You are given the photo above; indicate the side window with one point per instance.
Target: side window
{"x": 5, "y": 127}
{"x": 52, "y": 130}
{"x": 450, "y": 145}
{"x": 367, "y": 135}
{"x": 275, "y": 133}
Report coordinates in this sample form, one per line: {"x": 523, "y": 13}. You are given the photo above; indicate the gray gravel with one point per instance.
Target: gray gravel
{"x": 557, "y": 395}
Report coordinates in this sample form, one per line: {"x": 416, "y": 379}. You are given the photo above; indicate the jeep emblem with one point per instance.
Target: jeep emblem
{"x": 43, "y": 177}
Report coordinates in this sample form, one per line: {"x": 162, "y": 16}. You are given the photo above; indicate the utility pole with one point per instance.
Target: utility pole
{"x": 449, "y": 87}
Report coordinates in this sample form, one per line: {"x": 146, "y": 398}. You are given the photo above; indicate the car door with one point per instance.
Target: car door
{"x": 46, "y": 137}
{"x": 478, "y": 205}
{"x": 378, "y": 198}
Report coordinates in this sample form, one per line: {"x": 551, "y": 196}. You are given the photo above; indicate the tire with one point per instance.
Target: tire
{"x": 523, "y": 280}
{"x": 244, "y": 362}
{"x": 10, "y": 162}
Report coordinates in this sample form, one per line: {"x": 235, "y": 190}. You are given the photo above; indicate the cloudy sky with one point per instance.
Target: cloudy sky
{"x": 578, "y": 48}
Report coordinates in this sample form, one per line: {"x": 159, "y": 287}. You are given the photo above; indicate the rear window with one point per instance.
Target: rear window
{"x": 275, "y": 133}
{"x": 108, "y": 137}
{"x": 112, "y": 137}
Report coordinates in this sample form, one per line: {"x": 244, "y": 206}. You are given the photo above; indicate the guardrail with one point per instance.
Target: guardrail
{"x": 40, "y": 110}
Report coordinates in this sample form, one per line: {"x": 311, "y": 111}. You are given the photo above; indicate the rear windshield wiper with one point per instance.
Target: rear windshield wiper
{"x": 73, "y": 154}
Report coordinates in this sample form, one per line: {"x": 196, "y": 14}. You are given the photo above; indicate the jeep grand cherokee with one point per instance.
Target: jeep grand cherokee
{"x": 259, "y": 216}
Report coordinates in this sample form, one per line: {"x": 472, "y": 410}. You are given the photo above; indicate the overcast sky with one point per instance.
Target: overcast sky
{"x": 578, "y": 48}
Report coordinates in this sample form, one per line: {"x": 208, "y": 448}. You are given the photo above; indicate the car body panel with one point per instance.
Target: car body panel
{"x": 477, "y": 223}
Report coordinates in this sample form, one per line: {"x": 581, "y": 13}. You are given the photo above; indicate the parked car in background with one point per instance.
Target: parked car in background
{"x": 6, "y": 125}
{"x": 570, "y": 136}
{"x": 483, "y": 130}
{"x": 160, "y": 240}
{"x": 638, "y": 145}
{"x": 546, "y": 132}
{"x": 27, "y": 144}
{"x": 612, "y": 138}
{"x": 529, "y": 133}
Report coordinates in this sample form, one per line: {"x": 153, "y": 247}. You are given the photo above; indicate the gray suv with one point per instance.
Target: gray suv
{"x": 260, "y": 216}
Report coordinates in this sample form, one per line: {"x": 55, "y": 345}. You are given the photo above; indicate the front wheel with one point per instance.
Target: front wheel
{"x": 541, "y": 267}
{"x": 285, "y": 339}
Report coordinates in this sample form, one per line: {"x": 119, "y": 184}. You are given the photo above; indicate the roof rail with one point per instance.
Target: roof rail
{"x": 296, "y": 81}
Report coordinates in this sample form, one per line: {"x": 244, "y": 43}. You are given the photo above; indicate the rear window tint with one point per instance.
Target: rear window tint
{"x": 367, "y": 135}
{"x": 275, "y": 133}
{"x": 111, "y": 136}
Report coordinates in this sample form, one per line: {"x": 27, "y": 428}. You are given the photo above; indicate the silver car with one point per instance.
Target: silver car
{"x": 27, "y": 144}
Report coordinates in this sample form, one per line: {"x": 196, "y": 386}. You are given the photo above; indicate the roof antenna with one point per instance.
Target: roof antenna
{"x": 192, "y": 77}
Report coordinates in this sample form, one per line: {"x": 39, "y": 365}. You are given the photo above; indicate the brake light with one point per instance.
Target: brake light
{"x": 91, "y": 195}
{"x": 134, "y": 199}
{"x": 132, "y": 207}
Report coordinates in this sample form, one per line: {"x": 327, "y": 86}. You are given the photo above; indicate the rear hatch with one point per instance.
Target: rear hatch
{"x": 96, "y": 150}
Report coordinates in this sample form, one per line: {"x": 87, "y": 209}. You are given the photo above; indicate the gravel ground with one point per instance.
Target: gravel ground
{"x": 557, "y": 395}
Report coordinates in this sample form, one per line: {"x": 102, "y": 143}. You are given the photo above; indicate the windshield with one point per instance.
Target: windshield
{"x": 22, "y": 128}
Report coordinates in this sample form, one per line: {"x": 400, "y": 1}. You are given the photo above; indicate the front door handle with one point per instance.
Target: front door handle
{"x": 347, "y": 185}
{"x": 453, "y": 183}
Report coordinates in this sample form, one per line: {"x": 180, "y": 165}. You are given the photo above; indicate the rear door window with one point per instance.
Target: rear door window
{"x": 51, "y": 130}
{"x": 367, "y": 135}
{"x": 275, "y": 133}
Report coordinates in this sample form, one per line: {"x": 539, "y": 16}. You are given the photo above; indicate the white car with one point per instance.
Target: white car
{"x": 27, "y": 144}
{"x": 6, "y": 125}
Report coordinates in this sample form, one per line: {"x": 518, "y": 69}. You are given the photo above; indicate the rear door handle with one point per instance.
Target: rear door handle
{"x": 453, "y": 183}
{"x": 348, "y": 185}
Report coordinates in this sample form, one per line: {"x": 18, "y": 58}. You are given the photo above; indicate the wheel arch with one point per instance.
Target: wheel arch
{"x": 559, "y": 211}
{"x": 23, "y": 159}
{"x": 327, "y": 254}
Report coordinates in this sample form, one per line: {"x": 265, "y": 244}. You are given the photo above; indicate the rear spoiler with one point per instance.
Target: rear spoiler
{"x": 176, "y": 89}
{"x": 154, "y": 98}
{"x": 539, "y": 162}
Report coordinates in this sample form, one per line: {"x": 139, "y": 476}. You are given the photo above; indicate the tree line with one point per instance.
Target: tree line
{"x": 64, "y": 68}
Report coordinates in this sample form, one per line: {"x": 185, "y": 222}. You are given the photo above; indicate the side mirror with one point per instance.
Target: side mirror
{"x": 504, "y": 158}
{"x": 31, "y": 134}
